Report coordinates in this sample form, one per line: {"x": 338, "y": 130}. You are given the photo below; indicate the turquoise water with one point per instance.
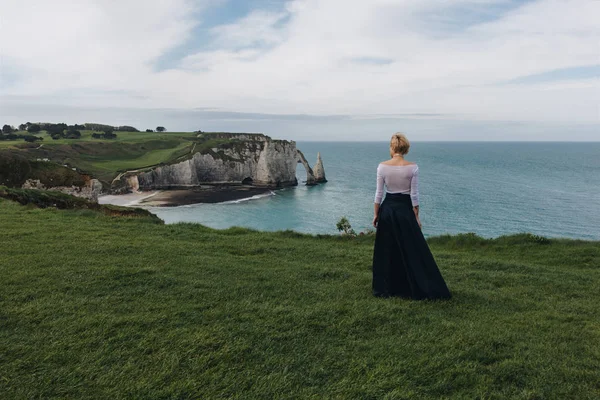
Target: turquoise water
{"x": 492, "y": 189}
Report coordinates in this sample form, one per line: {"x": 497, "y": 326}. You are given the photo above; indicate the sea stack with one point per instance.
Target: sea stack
{"x": 319, "y": 170}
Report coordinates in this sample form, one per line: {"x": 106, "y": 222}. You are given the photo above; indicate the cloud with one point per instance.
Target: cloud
{"x": 466, "y": 58}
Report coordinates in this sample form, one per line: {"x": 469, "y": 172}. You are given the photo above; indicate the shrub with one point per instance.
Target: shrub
{"x": 126, "y": 128}
{"x": 14, "y": 169}
{"x": 344, "y": 227}
{"x": 34, "y": 128}
{"x": 72, "y": 134}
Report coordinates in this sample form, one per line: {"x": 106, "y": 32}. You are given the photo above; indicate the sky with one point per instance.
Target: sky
{"x": 332, "y": 70}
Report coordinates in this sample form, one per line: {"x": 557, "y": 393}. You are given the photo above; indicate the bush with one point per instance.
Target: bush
{"x": 34, "y": 128}
{"x": 31, "y": 138}
{"x": 149, "y": 130}
{"x": 98, "y": 127}
{"x": 14, "y": 169}
{"x": 344, "y": 227}
{"x": 105, "y": 135}
{"x": 72, "y": 134}
{"x": 126, "y": 128}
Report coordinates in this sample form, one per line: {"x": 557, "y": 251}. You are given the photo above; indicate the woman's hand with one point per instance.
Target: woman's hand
{"x": 375, "y": 220}
{"x": 416, "y": 210}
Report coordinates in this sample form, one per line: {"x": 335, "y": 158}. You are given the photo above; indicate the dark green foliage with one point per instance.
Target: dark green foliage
{"x": 160, "y": 129}
{"x": 49, "y": 198}
{"x": 34, "y": 128}
{"x": 98, "y": 127}
{"x": 149, "y": 130}
{"x": 106, "y": 135}
{"x": 51, "y": 174}
{"x": 14, "y": 169}
{"x": 6, "y": 129}
{"x": 16, "y": 136}
{"x": 344, "y": 227}
{"x": 72, "y": 134}
{"x": 23, "y": 127}
{"x": 31, "y": 138}
{"x": 93, "y": 306}
{"x": 126, "y": 128}
{"x": 54, "y": 129}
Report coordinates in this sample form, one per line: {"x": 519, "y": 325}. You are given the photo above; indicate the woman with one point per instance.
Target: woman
{"x": 402, "y": 262}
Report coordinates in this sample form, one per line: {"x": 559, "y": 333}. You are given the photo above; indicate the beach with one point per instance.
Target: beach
{"x": 182, "y": 197}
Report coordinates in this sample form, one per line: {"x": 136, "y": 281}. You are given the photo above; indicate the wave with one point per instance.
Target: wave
{"x": 255, "y": 197}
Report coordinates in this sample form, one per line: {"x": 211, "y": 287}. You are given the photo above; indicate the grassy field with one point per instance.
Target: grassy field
{"x": 93, "y": 306}
{"x": 105, "y": 159}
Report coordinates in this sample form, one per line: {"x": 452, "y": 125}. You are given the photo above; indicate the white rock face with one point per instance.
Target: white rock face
{"x": 270, "y": 163}
{"x": 319, "y": 170}
{"x": 246, "y": 159}
{"x": 90, "y": 191}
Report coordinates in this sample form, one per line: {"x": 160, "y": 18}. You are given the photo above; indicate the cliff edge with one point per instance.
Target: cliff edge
{"x": 226, "y": 158}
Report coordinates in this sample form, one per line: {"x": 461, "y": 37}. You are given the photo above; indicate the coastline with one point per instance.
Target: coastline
{"x": 182, "y": 197}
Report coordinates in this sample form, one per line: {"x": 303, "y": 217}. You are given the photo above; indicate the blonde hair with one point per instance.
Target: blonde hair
{"x": 399, "y": 144}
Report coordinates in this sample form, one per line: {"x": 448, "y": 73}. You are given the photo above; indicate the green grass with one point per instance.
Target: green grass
{"x": 105, "y": 159}
{"x": 148, "y": 159}
{"x": 93, "y": 306}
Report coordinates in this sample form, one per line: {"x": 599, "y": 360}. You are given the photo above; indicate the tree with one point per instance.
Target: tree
{"x": 149, "y": 130}
{"x": 7, "y": 129}
{"x": 98, "y": 127}
{"x": 160, "y": 129}
{"x": 23, "y": 127}
{"x": 72, "y": 134}
{"x": 34, "y": 128}
{"x": 54, "y": 128}
{"x": 126, "y": 128}
{"x": 344, "y": 227}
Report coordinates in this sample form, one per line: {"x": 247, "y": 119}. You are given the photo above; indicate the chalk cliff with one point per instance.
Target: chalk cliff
{"x": 253, "y": 159}
{"x": 91, "y": 190}
{"x": 319, "y": 170}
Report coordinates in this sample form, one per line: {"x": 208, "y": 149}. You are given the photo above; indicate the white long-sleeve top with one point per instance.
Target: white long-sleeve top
{"x": 398, "y": 179}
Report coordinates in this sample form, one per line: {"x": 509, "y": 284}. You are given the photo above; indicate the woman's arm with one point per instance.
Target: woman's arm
{"x": 378, "y": 196}
{"x": 376, "y": 217}
{"x": 414, "y": 193}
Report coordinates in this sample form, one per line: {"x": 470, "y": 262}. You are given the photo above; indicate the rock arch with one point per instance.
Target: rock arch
{"x": 310, "y": 176}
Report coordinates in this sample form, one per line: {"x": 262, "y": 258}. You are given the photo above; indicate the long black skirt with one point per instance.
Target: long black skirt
{"x": 402, "y": 262}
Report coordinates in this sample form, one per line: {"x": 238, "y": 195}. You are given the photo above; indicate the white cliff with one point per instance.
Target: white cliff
{"x": 319, "y": 170}
{"x": 236, "y": 159}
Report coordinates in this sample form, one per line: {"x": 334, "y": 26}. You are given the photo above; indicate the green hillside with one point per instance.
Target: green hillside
{"x": 105, "y": 159}
{"x": 96, "y": 306}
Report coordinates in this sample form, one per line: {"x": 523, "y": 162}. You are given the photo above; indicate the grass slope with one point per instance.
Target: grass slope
{"x": 93, "y": 306}
{"x": 105, "y": 159}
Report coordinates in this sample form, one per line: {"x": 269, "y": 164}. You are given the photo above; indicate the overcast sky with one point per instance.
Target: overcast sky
{"x": 308, "y": 69}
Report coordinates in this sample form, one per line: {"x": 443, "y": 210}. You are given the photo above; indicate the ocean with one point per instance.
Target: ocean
{"x": 489, "y": 188}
